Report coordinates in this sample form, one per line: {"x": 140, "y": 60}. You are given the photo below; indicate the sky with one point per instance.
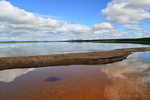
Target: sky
{"x": 74, "y": 19}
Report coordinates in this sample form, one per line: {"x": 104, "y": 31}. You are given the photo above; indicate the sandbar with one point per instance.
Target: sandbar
{"x": 85, "y": 58}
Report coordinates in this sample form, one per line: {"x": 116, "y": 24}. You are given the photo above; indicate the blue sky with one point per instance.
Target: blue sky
{"x": 86, "y": 12}
{"x": 78, "y": 19}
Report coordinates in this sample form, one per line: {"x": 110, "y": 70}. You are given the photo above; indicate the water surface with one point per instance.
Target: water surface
{"x": 44, "y": 48}
{"x": 128, "y": 79}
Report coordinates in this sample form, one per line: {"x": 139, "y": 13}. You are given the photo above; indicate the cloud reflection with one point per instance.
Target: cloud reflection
{"x": 129, "y": 78}
{"x": 29, "y": 49}
{"x": 132, "y": 64}
{"x": 10, "y": 75}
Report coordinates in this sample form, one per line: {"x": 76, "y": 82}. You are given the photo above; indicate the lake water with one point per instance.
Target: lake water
{"x": 28, "y": 49}
{"x": 128, "y": 79}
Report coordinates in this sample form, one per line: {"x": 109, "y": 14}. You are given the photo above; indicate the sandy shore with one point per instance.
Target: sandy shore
{"x": 100, "y": 57}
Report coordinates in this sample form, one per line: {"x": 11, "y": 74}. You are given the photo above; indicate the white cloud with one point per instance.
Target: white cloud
{"x": 132, "y": 27}
{"x": 104, "y": 25}
{"x": 127, "y": 11}
{"x": 18, "y": 24}
{"x": 145, "y": 4}
{"x": 76, "y": 28}
{"x": 14, "y": 15}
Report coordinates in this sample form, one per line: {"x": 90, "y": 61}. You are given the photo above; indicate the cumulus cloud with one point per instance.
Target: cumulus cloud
{"x": 127, "y": 11}
{"x": 145, "y": 4}
{"x": 104, "y": 25}
{"x": 14, "y": 15}
{"x": 132, "y": 27}
{"x": 18, "y": 24}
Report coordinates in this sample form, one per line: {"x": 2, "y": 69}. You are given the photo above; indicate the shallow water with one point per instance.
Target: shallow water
{"x": 128, "y": 79}
{"x": 28, "y": 49}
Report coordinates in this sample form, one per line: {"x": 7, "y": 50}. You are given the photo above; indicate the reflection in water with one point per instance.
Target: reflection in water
{"x": 134, "y": 62}
{"x": 10, "y": 75}
{"x": 128, "y": 79}
{"x": 126, "y": 83}
{"x": 28, "y": 49}
{"x": 145, "y": 57}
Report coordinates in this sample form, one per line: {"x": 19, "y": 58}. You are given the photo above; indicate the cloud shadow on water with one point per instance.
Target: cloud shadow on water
{"x": 52, "y": 79}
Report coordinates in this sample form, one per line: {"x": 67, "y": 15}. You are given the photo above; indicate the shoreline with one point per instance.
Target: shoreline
{"x": 85, "y": 58}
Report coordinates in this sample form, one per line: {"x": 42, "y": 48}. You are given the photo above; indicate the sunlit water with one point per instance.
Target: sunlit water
{"x": 128, "y": 79}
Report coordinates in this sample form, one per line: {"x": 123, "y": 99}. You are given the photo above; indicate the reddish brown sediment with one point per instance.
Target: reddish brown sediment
{"x": 74, "y": 83}
{"x": 100, "y": 57}
{"x": 78, "y": 82}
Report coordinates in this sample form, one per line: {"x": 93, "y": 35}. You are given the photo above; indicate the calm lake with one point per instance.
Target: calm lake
{"x": 128, "y": 79}
{"x": 44, "y": 48}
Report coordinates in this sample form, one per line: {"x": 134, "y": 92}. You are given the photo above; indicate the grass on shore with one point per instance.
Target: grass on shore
{"x": 144, "y": 41}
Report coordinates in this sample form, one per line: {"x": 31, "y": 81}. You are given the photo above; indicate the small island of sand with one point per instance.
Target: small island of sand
{"x": 99, "y": 57}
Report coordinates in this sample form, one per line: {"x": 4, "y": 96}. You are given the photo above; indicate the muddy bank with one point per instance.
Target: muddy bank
{"x": 101, "y": 57}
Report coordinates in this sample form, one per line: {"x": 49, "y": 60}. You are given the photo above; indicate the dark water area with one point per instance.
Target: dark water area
{"x": 128, "y": 79}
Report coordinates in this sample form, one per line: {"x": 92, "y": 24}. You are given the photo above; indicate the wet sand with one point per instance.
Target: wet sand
{"x": 99, "y": 57}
